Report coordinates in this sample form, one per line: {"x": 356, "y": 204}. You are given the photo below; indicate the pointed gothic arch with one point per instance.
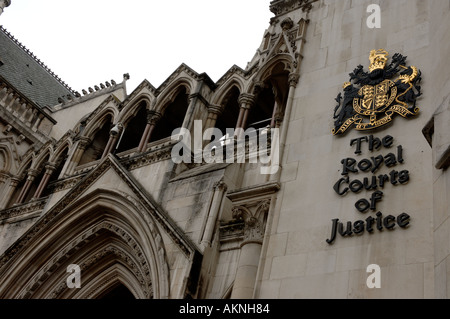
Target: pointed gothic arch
{"x": 6, "y": 159}
{"x": 64, "y": 143}
{"x": 99, "y": 134}
{"x": 230, "y": 109}
{"x": 234, "y": 82}
{"x": 169, "y": 95}
{"x": 173, "y": 112}
{"x": 134, "y": 123}
{"x": 130, "y": 105}
{"x": 97, "y": 122}
{"x": 112, "y": 239}
{"x": 271, "y": 87}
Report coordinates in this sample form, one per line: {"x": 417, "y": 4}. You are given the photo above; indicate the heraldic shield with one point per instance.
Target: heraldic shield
{"x": 374, "y": 97}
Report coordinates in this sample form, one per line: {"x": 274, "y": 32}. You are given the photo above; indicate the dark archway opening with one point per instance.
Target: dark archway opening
{"x": 118, "y": 292}
{"x": 230, "y": 114}
{"x": 261, "y": 113}
{"x": 95, "y": 150}
{"x": 172, "y": 118}
{"x": 271, "y": 100}
{"x": 133, "y": 130}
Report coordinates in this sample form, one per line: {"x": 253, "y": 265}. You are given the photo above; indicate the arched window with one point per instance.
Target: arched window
{"x": 95, "y": 150}
{"x": 173, "y": 116}
{"x": 271, "y": 100}
{"x": 230, "y": 112}
{"x": 260, "y": 115}
{"x": 133, "y": 130}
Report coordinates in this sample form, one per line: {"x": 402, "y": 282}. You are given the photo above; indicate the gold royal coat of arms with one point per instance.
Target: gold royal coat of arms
{"x": 373, "y": 98}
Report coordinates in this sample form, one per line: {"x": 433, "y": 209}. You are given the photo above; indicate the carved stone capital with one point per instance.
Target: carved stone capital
{"x": 50, "y": 167}
{"x": 220, "y": 185}
{"x": 215, "y": 109}
{"x": 3, "y": 177}
{"x": 280, "y": 7}
{"x": 84, "y": 141}
{"x": 32, "y": 173}
{"x": 153, "y": 117}
{"x": 14, "y": 181}
{"x": 246, "y": 100}
{"x": 293, "y": 79}
{"x": 254, "y": 225}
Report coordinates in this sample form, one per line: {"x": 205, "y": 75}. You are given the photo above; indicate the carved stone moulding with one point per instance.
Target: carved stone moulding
{"x": 280, "y": 7}
{"x": 26, "y": 211}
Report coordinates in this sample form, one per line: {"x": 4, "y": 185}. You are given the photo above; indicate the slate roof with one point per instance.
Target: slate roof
{"x": 22, "y": 69}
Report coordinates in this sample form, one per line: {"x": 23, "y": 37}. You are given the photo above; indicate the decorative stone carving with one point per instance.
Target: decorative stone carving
{"x": 221, "y": 185}
{"x": 246, "y": 100}
{"x": 153, "y": 117}
{"x": 287, "y": 24}
{"x": 280, "y": 7}
{"x": 24, "y": 210}
{"x": 254, "y": 220}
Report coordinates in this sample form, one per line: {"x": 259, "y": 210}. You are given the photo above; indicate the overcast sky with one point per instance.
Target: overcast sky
{"x": 88, "y": 42}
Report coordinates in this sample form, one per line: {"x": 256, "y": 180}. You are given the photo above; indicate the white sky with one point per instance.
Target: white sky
{"x": 88, "y": 42}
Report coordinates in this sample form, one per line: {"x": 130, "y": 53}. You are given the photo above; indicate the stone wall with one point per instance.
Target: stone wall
{"x": 299, "y": 263}
{"x": 440, "y": 95}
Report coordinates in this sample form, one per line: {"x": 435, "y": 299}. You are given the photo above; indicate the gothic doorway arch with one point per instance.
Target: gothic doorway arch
{"x": 114, "y": 242}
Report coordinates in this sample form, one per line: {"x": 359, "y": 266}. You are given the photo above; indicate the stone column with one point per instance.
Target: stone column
{"x": 219, "y": 191}
{"x": 293, "y": 80}
{"x": 244, "y": 283}
{"x": 13, "y": 182}
{"x": 3, "y": 178}
{"x": 49, "y": 169}
{"x": 152, "y": 119}
{"x": 248, "y": 263}
{"x": 77, "y": 154}
{"x": 32, "y": 173}
{"x": 246, "y": 102}
{"x": 190, "y": 112}
{"x": 110, "y": 145}
{"x": 214, "y": 111}
{"x": 274, "y": 114}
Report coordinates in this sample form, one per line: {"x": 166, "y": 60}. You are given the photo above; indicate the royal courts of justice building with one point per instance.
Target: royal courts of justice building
{"x": 354, "y": 124}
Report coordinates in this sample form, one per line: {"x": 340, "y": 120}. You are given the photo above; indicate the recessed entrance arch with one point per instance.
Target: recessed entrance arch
{"x": 116, "y": 244}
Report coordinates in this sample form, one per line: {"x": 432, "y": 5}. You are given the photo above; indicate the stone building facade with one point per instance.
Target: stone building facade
{"x": 90, "y": 179}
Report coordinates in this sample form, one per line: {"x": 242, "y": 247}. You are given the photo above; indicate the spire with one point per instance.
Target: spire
{"x": 4, "y": 4}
